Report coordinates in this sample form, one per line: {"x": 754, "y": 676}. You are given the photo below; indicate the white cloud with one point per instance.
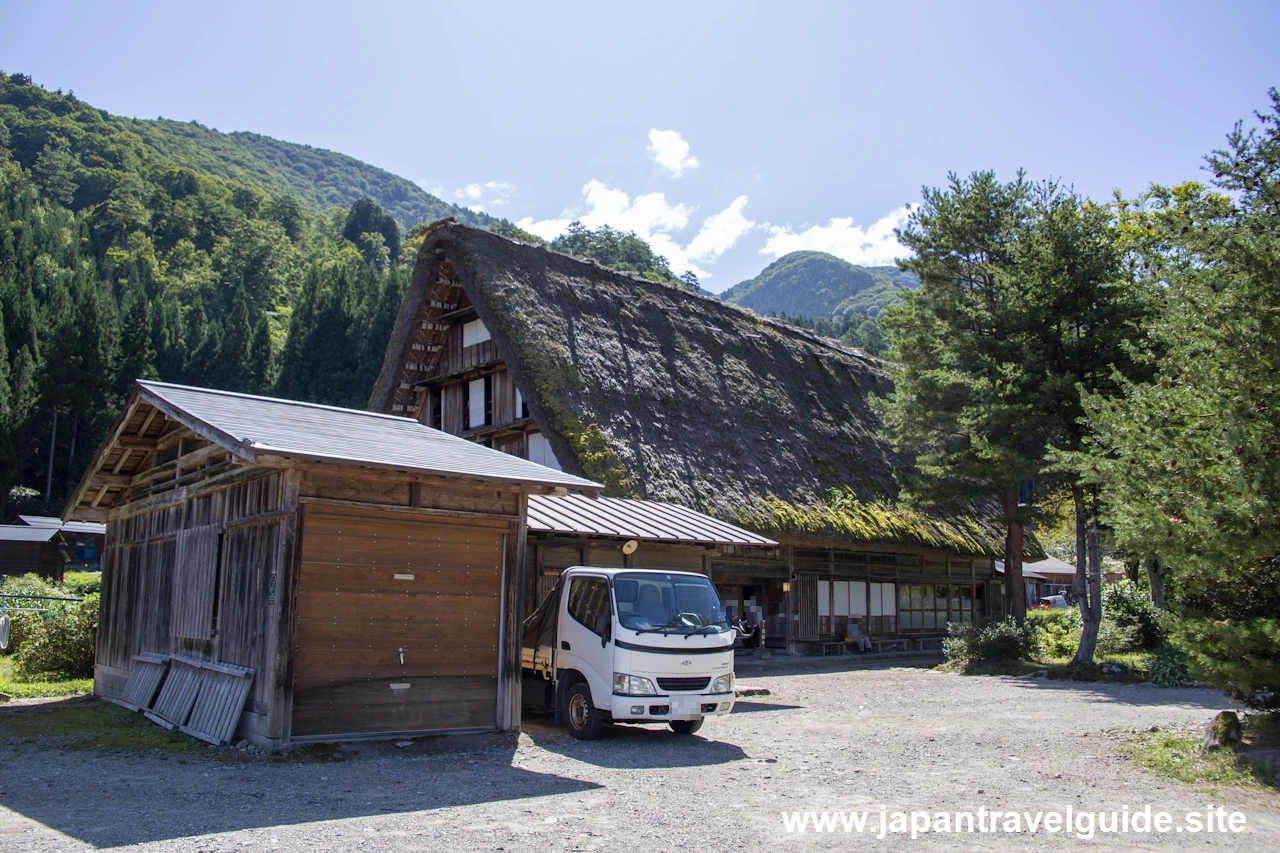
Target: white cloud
{"x": 655, "y": 220}
{"x": 720, "y": 231}
{"x": 489, "y": 194}
{"x": 671, "y": 152}
{"x": 874, "y": 245}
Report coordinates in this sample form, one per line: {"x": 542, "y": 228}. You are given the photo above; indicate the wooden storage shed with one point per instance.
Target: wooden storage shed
{"x": 361, "y": 565}
{"x": 31, "y": 550}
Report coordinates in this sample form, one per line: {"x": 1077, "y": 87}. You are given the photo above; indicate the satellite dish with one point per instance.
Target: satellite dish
{"x": 630, "y": 546}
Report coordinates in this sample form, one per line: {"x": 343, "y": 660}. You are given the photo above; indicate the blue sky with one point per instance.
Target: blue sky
{"x": 726, "y": 133}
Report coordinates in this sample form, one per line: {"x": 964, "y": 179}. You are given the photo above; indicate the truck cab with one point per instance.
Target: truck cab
{"x": 629, "y": 646}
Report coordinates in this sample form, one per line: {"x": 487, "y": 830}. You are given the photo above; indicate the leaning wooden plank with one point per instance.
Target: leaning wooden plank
{"x": 179, "y": 693}
{"x": 224, "y": 688}
{"x": 149, "y": 669}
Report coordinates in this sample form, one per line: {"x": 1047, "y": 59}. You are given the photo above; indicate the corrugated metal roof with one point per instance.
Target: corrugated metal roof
{"x": 634, "y": 519}
{"x": 265, "y": 425}
{"x": 23, "y": 533}
{"x": 1028, "y": 573}
{"x": 70, "y": 526}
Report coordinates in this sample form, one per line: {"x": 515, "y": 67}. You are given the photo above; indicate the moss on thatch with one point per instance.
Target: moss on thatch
{"x": 874, "y": 522}
{"x": 670, "y": 395}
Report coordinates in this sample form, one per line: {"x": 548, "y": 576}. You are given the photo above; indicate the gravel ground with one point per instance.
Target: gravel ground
{"x": 825, "y": 738}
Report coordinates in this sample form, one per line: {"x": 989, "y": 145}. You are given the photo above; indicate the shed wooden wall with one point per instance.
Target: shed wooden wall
{"x": 254, "y": 510}
{"x": 259, "y": 510}
{"x": 41, "y": 558}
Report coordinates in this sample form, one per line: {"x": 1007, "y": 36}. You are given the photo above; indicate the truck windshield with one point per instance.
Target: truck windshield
{"x": 668, "y": 603}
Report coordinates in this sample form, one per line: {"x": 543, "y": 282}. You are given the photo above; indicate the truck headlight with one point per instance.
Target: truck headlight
{"x": 632, "y": 685}
{"x": 723, "y": 684}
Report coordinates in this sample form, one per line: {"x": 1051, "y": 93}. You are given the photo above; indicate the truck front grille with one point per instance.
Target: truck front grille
{"x": 683, "y": 683}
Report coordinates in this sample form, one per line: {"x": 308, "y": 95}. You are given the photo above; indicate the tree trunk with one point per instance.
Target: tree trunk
{"x": 1089, "y": 625}
{"x": 71, "y": 454}
{"x": 1015, "y": 590}
{"x": 1155, "y": 574}
{"x": 53, "y": 439}
{"x": 1095, "y": 560}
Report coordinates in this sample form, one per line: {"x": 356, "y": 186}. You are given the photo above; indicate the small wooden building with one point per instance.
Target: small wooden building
{"x": 84, "y": 540}
{"x": 363, "y": 566}
{"x": 31, "y": 550}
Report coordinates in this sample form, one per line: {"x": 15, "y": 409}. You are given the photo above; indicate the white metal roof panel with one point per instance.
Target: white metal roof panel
{"x": 23, "y": 533}
{"x": 634, "y": 519}
{"x": 266, "y": 425}
{"x": 70, "y": 526}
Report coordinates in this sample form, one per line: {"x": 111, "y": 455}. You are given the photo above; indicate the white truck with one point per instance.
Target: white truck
{"x": 629, "y": 646}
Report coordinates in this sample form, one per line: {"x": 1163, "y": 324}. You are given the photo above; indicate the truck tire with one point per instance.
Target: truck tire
{"x": 685, "y": 727}
{"x": 580, "y": 714}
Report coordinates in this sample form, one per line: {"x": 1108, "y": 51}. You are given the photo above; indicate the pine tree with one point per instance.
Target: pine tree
{"x": 962, "y": 404}
{"x": 137, "y": 355}
{"x": 53, "y": 172}
{"x": 6, "y": 421}
{"x": 1189, "y": 463}
{"x": 233, "y": 371}
{"x": 6, "y": 391}
{"x": 260, "y": 366}
{"x": 80, "y": 376}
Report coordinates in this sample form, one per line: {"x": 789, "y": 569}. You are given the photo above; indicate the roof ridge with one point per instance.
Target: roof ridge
{"x": 806, "y": 334}
{"x": 151, "y": 383}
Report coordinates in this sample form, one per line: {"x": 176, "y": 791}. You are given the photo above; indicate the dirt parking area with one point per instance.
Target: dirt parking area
{"x": 823, "y": 739}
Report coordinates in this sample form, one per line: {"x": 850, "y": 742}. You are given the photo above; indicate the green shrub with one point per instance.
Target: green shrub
{"x": 80, "y": 584}
{"x": 30, "y": 585}
{"x": 1130, "y": 607}
{"x": 1055, "y": 633}
{"x": 1001, "y": 641}
{"x": 1115, "y": 638}
{"x": 62, "y": 645}
{"x": 1170, "y": 668}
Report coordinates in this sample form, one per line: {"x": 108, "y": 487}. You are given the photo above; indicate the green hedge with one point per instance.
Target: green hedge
{"x": 62, "y": 645}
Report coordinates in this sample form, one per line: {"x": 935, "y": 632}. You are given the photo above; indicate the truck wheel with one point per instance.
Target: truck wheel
{"x": 685, "y": 727}
{"x": 585, "y": 722}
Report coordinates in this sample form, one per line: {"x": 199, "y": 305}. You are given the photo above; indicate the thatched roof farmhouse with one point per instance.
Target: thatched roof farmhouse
{"x": 671, "y": 396}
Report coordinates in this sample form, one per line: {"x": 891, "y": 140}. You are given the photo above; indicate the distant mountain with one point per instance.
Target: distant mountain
{"x": 111, "y": 148}
{"x": 815, "y": 284}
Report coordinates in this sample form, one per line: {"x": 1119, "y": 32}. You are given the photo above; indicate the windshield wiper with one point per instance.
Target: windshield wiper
{"x": 703, "y": 631}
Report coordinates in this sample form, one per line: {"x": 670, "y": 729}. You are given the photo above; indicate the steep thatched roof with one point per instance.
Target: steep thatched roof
{"x": 669, "y": 395}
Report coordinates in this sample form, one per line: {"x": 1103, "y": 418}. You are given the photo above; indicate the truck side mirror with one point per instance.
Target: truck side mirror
{"x": 602, "y": 627}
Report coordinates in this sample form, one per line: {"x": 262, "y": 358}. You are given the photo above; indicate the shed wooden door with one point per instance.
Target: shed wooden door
{"x": 398, "y": 623}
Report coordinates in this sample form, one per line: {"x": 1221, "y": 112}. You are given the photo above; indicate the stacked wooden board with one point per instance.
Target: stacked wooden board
{"x": 198, "y": 697}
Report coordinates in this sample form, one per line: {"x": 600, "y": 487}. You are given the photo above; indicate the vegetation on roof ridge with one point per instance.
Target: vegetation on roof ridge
{"x": 845, "y": 516}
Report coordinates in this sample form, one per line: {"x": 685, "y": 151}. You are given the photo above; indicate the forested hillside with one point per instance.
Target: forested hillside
{"x": 165, "y": 250}
{"x": 817, "y": 285}
{"x": 104, "y": 148}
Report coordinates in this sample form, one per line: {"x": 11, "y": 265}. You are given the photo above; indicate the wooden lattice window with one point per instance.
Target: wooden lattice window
{"x": 195, "y": 583}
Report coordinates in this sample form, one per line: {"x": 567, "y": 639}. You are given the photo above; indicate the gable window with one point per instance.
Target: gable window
{"x": 479, "y": 402}
{"x": 436, "y": 410}
{"x": 474, "y": 333}
{"x": 540, "y": 451}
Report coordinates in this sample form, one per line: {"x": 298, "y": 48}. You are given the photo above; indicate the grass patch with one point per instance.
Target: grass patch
{"x": 84, "y": 723}
{"x": 1176, "y": 754}
{"x": 20, "y": 687}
